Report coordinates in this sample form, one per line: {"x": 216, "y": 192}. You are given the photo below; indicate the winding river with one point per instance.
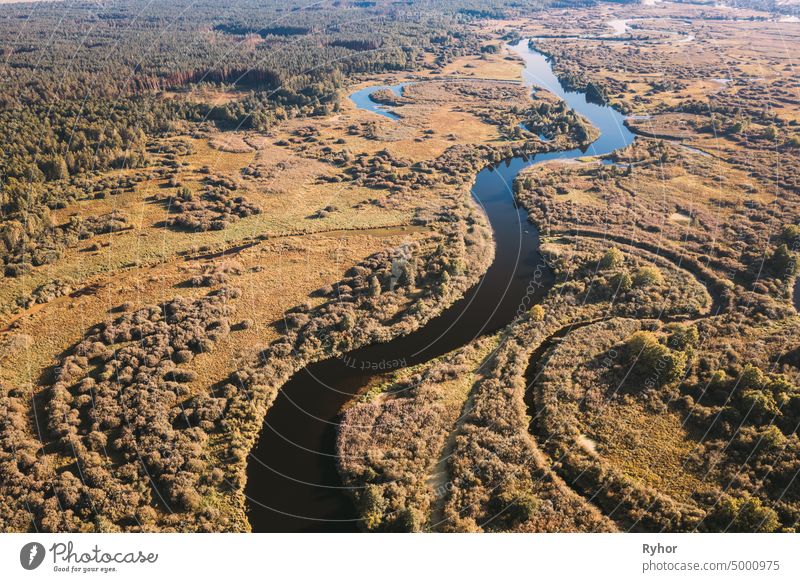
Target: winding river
{"x": 293, "y": 483}
{"x": 362, "y": 98}
{"x": 796, "y": 294}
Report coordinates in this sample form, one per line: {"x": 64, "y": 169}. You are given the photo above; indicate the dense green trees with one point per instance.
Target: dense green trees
{"x": 81, "y": 88}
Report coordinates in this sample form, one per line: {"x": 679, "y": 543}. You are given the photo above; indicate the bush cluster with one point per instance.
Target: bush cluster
{"x": 214, "y": 208}
{"x": 32, "y": 240}
{"x": 125, "y": 425}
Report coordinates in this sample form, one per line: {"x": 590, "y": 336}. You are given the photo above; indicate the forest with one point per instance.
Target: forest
{"x": 194, "y": 209}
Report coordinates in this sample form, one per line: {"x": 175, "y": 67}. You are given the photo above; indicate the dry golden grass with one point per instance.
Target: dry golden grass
{"x": 148, "y": 263}
{"x": 287, "y": 200}
{"x": 144, "y": 264}
{"x": 278, "y": 274}
{"x": 433, "y": 111}
{"x": 219, "y": 161}
{"x": 449, "y": 392}
{"x": 649, "y": 447}
{"x": 695, "y": 46}
{"x": 488, "y": 66}
{"x": 216, "y": 97}
{"x": 231, "y": 142}
{"x": 682, "y": 184}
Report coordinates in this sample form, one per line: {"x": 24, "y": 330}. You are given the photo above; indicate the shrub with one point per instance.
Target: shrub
{"x": 759, "y": 404}
{"x": 408, "y": 520}
{"x": 119, "y": 389}
{"x": 513, "y": 506}
{"x": 744, "y": 515}
{"x": 790, "y": 234}
{"x": 647, "y": 277}
{"x": 612, "y": 259}
{"x": 772, "y": 438}
{"x": 373, "y": 506}
{"x": 639, "y": 342}
{"x": 653, "y": 362}
{"x": 784, "y": 262}
{"x": 682, "y": 336}
{"x": 752, "y": 377}
{"x": 621, "y": 282}
{"x": 217, "y": 206}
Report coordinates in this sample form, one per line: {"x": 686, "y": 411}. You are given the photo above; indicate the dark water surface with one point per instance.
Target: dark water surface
{"x": 796, "y": 295}
{"x": 293, "y": 482}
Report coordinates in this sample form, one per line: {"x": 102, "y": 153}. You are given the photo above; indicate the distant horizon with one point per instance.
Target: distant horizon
{"x": 28, "y": 1}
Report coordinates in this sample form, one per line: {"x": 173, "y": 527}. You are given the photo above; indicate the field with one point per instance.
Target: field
{"x": 642, "y": 452}
{"x": 152, "y": 308}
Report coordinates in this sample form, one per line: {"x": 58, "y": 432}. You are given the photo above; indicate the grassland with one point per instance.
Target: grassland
{"x": 239, "y": 255}
{"x": 566, "y": 429}
{"x": 261, "y": 222}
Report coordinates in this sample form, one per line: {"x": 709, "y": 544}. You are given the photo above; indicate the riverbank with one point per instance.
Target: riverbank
{"x": 298, "y": 458}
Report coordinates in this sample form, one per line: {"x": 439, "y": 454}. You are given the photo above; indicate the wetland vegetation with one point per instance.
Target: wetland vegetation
{"x": 195, "y": 216}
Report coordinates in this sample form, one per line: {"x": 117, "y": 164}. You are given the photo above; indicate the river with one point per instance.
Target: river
{"x": 363, "y": 100}
{"x": 293, "y": 483}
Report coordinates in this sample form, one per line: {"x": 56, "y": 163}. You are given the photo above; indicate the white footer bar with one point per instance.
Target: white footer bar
{"x": 387, "y": 557}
